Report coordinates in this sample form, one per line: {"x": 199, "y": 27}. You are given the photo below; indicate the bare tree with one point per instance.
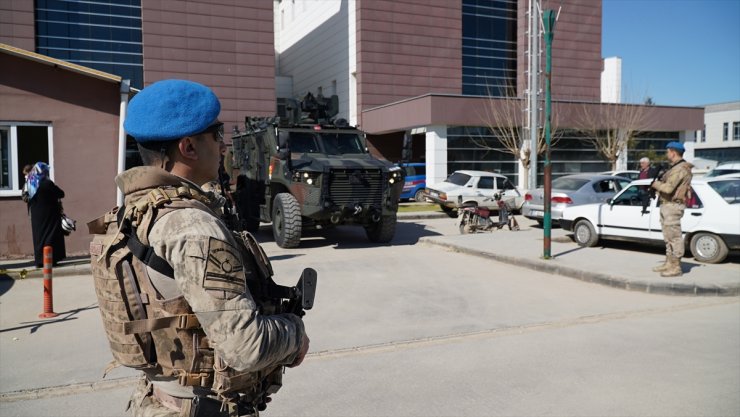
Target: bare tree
{"x": 505, "y": 118}
{"x": 612, "y": 127}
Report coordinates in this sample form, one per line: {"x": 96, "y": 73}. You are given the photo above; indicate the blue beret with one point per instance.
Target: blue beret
{"x": 171, "y": 109}
{"x": 676, "y": 145}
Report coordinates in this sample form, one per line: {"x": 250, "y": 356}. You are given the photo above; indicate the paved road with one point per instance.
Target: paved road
{"x": 409, "y": 330}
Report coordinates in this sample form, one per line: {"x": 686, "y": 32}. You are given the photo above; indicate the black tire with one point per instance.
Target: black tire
{"x": 585, "y": 234}
{"x": 449, "y": 211}
{"x": 419, "y": 196}
{"x": 382, "y": 231}
{"x": 540, "y": 223}
{"x": 708, "y": 248}
{"x": 286, "y": 221}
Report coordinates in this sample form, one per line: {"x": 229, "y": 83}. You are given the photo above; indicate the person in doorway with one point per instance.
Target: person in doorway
{"x": 26, "y": 172}
{"x": 44, "y": 204}
{"x": 674, "y": 190}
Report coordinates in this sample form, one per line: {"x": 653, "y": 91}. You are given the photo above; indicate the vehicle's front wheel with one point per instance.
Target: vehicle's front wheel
{"x": 286, "y": 221}
{"x": 585, "y": 234}
{"x": 419, "y": 196}
{"x": 449, "y": 211}
{"x": 708, "y": 248}
{"x": 382, "y": 231}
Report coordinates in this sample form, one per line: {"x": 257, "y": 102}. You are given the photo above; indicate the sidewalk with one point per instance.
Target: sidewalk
{"x": 621, "y": 265}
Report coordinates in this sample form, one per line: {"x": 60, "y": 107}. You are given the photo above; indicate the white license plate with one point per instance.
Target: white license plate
{"x": 537, "y": 213}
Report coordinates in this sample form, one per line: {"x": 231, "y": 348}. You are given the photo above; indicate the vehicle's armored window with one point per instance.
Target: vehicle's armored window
{"x": 458, "y": 178}
{"x": 568, "y": 184}
{"x": 409, "y": 171}
{"x": 302, "y": 142}
{"x": 485, "y": 183}
{"x": 729, "y": 190}
{"x": 341, "y": 143}
{"x": 421, "y": 170}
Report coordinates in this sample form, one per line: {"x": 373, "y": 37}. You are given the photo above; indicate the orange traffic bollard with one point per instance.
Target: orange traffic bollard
{"x": 48, "y": 296}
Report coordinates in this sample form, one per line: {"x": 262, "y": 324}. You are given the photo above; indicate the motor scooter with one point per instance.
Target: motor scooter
{"x": 474, "y": 219}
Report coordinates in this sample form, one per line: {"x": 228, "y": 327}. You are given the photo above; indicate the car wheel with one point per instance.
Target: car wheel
{"x": 419, "y": 196}
{"x": 585, "y": 234}
{"x": 540, "y": 223}
{"x": 286, "y": 221}
{"x": 449, "y": 211}
{"x": 708, "y": 248}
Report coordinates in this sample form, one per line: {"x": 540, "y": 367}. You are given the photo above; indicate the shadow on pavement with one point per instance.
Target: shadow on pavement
{"x": 353, "y": 237}
{"x": 6, "y": 283}
{"x": 29, "y": 263}
{"x": 64, "y": 316}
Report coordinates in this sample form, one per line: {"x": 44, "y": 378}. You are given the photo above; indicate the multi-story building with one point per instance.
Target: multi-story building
{"x": 68, "y": 113}
{"x": 432, "y": 66}
{"x": 719, "y": 140}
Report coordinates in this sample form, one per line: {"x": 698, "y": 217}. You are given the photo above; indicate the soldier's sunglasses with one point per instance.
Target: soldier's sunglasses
{"x": 218, "y": 131}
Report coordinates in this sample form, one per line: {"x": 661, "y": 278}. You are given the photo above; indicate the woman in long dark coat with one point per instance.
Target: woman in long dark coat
{"x": 46, "y": 214}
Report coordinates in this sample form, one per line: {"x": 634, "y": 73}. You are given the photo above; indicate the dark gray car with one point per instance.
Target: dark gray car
{"x": 572, "y": 190}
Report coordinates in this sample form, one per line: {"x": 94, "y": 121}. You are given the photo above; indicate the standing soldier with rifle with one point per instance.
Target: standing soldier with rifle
{"x": 183, "y": 298}
{"x": 674, "y": 189}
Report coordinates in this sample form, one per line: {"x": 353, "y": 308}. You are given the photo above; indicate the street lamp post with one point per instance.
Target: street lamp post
{"x": 548, "y": 20}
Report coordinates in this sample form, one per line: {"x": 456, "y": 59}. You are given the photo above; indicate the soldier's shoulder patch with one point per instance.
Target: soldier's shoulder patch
{"x": 224, "y": 275}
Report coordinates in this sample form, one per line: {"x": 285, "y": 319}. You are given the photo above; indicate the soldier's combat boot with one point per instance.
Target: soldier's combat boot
{"x": 673, "y": 269}
{"x": 663, "y": 267}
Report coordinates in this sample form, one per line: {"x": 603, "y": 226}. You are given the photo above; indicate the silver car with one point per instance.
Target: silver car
{"x": 572, "y": 190}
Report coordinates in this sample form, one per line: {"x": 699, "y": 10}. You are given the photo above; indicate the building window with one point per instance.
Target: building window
{"x": 704, "y": 134}
{"x": 725, "y": 127}
{"x": 22, "y": 144}
{"x": 489, "y": 47}
{"x": 101, "y": 34}
{"x": 735, "y": 130}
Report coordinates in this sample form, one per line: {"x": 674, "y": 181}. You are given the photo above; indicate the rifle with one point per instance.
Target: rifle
{"x": 295, "y": 300}
{"x": 652, "y": 192}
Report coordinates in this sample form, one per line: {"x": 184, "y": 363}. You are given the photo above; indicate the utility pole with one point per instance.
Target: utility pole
{"x": 548, "y": 19}
{"x": 533, "y": 88}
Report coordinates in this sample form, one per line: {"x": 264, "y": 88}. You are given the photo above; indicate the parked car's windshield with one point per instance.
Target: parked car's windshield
{"x": 569, "y": 184}
{"x": 458, "y": 178}
{"x": 341, "y": 143}
{"x": 729, "y": 190}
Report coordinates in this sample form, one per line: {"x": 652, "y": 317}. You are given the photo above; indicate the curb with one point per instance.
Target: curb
{"x": 669, "y": 288}
{"x": 59, "y": 271}
{"x": 422, "y": 216}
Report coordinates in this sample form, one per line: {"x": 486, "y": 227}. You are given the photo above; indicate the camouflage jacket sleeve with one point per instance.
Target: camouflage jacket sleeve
{"x": 672, "y": 179}
{"x": 210, "y": 274}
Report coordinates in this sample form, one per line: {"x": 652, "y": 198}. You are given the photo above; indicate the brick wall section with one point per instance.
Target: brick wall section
{"x": 576, "y": 56}
{"x": 227, "y": 47}
{"x": 17, "y": 24}
{"x": 407, "y": 48}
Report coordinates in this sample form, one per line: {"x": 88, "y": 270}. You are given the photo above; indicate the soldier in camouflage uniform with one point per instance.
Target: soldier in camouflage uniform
{"x": 181, "y": 141}
{"x": 674, "y": 189}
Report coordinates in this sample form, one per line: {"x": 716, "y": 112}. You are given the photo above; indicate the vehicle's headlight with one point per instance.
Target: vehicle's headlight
{"x": 308, "y": 177}
{"x": 394, "y": 175}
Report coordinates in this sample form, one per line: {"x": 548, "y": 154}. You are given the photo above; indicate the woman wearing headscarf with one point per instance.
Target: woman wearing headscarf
{"x": 46, "y": 213}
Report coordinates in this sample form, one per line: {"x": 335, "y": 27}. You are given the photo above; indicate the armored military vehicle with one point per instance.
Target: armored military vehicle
{"x": 307, "y": 170}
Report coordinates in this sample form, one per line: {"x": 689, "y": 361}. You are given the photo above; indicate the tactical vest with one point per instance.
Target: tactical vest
{"x": 145, "y": 331}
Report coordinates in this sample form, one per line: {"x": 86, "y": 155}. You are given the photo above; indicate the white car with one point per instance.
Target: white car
{"x": 465, "y": 188}
{"x": 711, "y": 221}
{"x": 631, "y": 174}
{"x": 724, "y": 169}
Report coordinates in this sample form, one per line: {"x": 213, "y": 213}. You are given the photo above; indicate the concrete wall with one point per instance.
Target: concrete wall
{"x": 715, "y": 116}
{"x": 406, "y": 48}
{"x": 226, "y": 47}
{"x": 17, "y": 24}
{"x": 83, "y": 113}
{"x": 611, "y": 80}
{"x": 314, "y": 48}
